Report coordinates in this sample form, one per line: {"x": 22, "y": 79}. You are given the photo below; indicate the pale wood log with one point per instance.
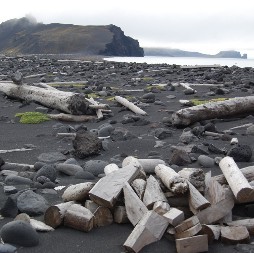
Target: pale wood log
{"x": 219, "y": 109}
{"x": 71, "y": 118}
{"x": 174, "y": 216}
{"x": 248, "y": 173}
{"x": 194, "y": 175}
{"x": 227, "y": 218}
{"x": 187, "y": 87}
{"x": 153, "y": 192}
{"x": 102, "y": 217}
{"x": 217, "y": 211}
{"x": 14, "y": 150}
{"x": 172, "y": 180}
{"x": 90, "y": 205}
{"x": 248, "y": 223}
{"x": 78, "y": 217}
{"x": 98, "y": 111}
{"x": 139, "y": 186}
{"x": 241, "y": 126}
{"x": 213, "y": 134}
{"x": 120, "y": 215}
{"x": 161, "y": 207}
{"x": 196, "y": 199}
{"x": 69, "y": 102}
{"x": 112, "y": 167}
{"x": 35, "y": 75}
{"x": 212, "y": 232}
{"x": 40, "y": 226}
{"x": 107, "y": 189}
{"x": 130, "y": 105}
{"x": 241, "y": 189}
{"x": 54, "y": 215}
{"x": 186, "y": 224}
{"x": 147, "y": 164}
{"x": 235, "y": 235}
{"x": 63, "y": 83}
{"x": 189, "y": 232}
{"x": 149, "y": 229}
{"x": 135, "y": 208}
{"x": 193, "y": 244}
{"x": 77, "y": 192}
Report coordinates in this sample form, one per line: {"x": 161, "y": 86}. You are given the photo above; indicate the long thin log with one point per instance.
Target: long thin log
{"x": 69, "y": 102}
{"x": 248, "y": 223}
{"x": 14, "y": 150}
{"x": 130, "y": 105}
{"x": 220, "y": 109}
{"x": 71, "y": 118}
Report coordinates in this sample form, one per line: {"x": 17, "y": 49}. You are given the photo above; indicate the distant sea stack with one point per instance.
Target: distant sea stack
{"x": 26, "y": 36}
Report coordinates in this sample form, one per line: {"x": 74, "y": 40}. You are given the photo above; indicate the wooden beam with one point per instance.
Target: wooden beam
{"x": 193, "y": 244}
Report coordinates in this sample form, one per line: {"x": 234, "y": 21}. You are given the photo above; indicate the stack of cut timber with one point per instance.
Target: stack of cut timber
{"x": 160, "y": 204}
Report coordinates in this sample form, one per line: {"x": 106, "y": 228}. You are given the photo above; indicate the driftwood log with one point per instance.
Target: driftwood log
{"x": 234, "y": 235}
{"x": 193, "y": 244}
{"x": 220, "y": 109}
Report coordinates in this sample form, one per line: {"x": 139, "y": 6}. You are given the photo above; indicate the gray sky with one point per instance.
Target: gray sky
{"x": 195, "y": 25}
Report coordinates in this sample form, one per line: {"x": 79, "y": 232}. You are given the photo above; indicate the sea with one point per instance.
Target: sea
{"x": 186, "y": 61}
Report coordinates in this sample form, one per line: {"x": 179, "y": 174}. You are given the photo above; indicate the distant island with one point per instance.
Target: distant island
{"x": 26, "y": 36}
{"x": 150, "y": 51}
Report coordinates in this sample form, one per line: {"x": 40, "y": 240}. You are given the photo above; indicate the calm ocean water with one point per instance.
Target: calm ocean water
{"x": 186, "y": 60}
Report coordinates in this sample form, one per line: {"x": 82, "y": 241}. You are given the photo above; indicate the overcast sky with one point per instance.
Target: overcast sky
{"x": 196, "y": 25}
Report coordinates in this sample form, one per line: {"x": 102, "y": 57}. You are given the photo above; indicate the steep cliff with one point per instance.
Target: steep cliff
{"x": 26, "y": 36}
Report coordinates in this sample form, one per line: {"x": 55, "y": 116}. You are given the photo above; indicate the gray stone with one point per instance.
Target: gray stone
{"x": 148, "y": 98}
{"x": 38, "y": 165}
{"x": 7, "y": 248}
{"x": 105, "y": 130}
{"x": 95, "y": 167}
{"x": 86, "y": 175}
{"x": 189, "y": 92}
{"x": 212, "y": 148}
{"x": 9, "y": 208}
{"x": 180, "y": 158}
{"x": 9, "y": 189}
{"x": 187, "y": 137}
{"x": 240, "y": 153}
{"x": 48, "y": 171}
{"x": 72, "y": 161}
{"x": 122, "y": 134}
{"x": 206, "y": 161}
{"x": 31, "y": 203}
{"x": 162, "y": 133}
{"x": 51, "y": 157}
{"x": 19, "y": 233}
{"x": 69, "y": 169}
{"x": 250, "y": 130}
{"x": 17, "y": 180}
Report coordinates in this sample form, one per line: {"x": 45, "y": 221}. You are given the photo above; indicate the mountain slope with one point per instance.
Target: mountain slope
{"x": 24, "y": 36}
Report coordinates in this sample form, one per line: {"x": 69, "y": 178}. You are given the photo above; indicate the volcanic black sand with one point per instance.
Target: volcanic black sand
{"x": 118, "y": 76}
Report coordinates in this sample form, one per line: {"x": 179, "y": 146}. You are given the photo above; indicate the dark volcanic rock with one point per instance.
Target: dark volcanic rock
{"x": 180, "y": 158}
{"x": 240, "y": 153}
{"x": 20, "y": 233}
{"x": 86, "y": 144}
{"x": 95, "y": 167}
{"x": 162, "y": 133}
{"x": 7, "y": 248}
{"x": 48, "y": 171}
{"x": 10, "y": 208}
{"x": 122, "y": 134}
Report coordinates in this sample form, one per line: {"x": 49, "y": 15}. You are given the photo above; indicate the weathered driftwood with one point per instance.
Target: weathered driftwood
{"x": 90, "y": 205}
{"x": 14, "y": 150}
{"x": 110, "y": 168}
{"x": 187, "y": 87}
{"x": 120, "y": 215}
{"x": 54, "y": 215}
{"x": 227, "y": 218}
{"x": 220, "y": 109}
{"x": 71, "y": 118}
{"x": 248, "y": 223}
{"x": 98, "y": 111}
{"x": 139, "y": 186}
{"x": 239, "y": 185}
{"x": 235, "y": 235}
{"x": 174, "y": 216}
{"x": 69, "y": 102}
{"x": 248, "y": 173}
{"x": 189, "y": 232}
{"x": 172, "y": 180}
{"x": 135, "y": 208}
{"x": 153, "y": 192}
{"x": 195, "y": 176}
{"x": 186, "y": 224}
{"x": 161, "y": 207}
{"x": 77, "y": 192}
{"x": 212, "y": 232}
{"x": 193, "y": 244}
{"x": 149, "y": 229}
{"x": 107, "y": 189}
{"x": 78, "y": 217}
{"x": 102, "y": 217}
{"x": 130, "y": 105}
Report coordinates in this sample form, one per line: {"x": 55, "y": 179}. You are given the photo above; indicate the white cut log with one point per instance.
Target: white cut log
{"x": 239, "y": 185}
{"x": 69, "y": 102}
{"x": 187, "y": 87}
{"x": 90, "y": 205}
{"x": 77, "y": 192}
{"x": 248, "y": 223}
{"x": 54, "y": 215}
{"x": 161, "y": 207}
{"x": 135, "y": 208}
{"x": 139, "y": 186}
{"x": 148, "y": 165}
{"x": 172, "y": 180}
{"x": 195, "y": 176}
{"x": 219, "y": 109}
{"x": 193, "y": 244}
{"x": 78, "y": 217}
{"x": 102, "y": 217}
{"x": 14, "y": 150}
{"x": 217, "y": 211}
{"x": 71, "y": 118}
{"x": 235, "y": 235}
{"x": 130, "y": 105}
{"x": 241, "y": 126}
{"x": 212, "y": 232}
{"x": 234, "y": 141}
{"x": 227, "y": 218}
{"x": 174, "y": 216}
{"x": 189, "y": 232}
{"x": 149, "y": 229}
{"x": 196, "y": 199}
{"x": 120, "y": 215}
{"x": 153, "y": 192}
{"x": 98, "y": 111}
{"x": 107, "y": 189}
{"x": 186, "y": 224}
{"x": 40, "y": 226}
{"x": 112, "y": 167}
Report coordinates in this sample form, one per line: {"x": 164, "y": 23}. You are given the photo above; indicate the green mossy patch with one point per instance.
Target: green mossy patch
{"x": 201, "y": 102}
{"x": 32, "y": 117}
